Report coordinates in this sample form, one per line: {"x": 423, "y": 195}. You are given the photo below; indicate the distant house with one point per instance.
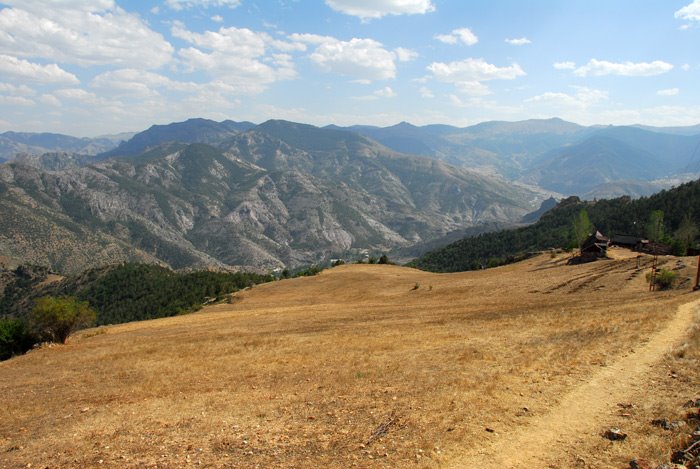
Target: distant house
{"x": 625, "y": 240}
{"x": 594, "y": 247}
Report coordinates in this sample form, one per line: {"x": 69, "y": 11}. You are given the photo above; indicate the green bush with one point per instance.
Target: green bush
{"x": 15, "y": 338}
{"x": 665, "y": 279}
{"x": 54, "y": 319}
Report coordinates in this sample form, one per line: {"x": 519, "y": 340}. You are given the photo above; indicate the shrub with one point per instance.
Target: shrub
{"x": 383, "y": 259}
{"x": 15, "y": 338}
{"x": 665, "y": 279}
{"x": 54, "y": 319}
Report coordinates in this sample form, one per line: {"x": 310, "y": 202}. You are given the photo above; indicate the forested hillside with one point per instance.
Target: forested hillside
{"x": 127, "y": 292}
{"x": 554, "y": 230}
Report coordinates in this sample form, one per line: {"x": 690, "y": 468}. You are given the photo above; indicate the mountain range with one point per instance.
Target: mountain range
{"x": 280, "y": 194}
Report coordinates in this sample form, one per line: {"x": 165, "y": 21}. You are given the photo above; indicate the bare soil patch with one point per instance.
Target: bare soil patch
{"x": 361, "y": 366}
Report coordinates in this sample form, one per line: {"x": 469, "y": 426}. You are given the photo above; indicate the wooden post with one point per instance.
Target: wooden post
{"x": 697, "y": 277}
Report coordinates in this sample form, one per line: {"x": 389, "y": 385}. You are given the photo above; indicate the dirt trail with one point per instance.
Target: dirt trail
{"x": 583, "y": 412}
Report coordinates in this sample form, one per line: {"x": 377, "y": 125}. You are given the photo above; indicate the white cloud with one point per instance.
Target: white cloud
{"x": 426, "y": 92}
{"x": 519, "y": 42}
{"x": 39, "y": 6}
{"x": 473, "y": 70}
{"x": 668, "y": 92}
{"x": 581, "y": 100}
{"x": 16, "y": 90}
{"x": 217, "y": 19}
{"x": 564, "y": 65}
{"x": 81, "y": 32}
{"x": 473, "y": 88}
{"x": 364, "y": 59}
{"x": 405, "y": 55}
{"x": 19, "y": 69}
{"x": 237, "y": 56}
{"x": 463, "y": 35}
{"x": 50, "y": 100}
{"x": 16, "y": 101}
{"x": 599, "y": 68}
{"x": 77, "y": 94}
{"x": 690, "y": 12}
{"x": 373, "y": 9}
{"x": 467, "y": 75}
{"x": 685, "y": 67}
{"x": 386, "y": 92}
{"x": 137, "y": 83}
{"x": 238, "y": 41}
{"x": 178, "y": 5}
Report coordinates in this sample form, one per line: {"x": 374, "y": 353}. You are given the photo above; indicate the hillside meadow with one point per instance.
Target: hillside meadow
{"x": 373, "y": 366}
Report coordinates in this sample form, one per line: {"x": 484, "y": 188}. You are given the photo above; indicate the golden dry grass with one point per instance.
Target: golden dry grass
{"x": 304, "y": 372}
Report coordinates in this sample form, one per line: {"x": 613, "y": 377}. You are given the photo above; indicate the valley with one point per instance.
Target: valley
{"x": 374, "y": 366}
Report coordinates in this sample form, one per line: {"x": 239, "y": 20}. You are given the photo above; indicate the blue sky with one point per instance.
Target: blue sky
{"x": 91, "y": 67}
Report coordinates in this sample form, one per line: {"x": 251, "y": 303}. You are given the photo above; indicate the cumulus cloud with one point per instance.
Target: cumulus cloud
{"x": 19, "y": 69}
{"x": 237, "y": 56}
{"x": 473, "y": 70}
{"x": 16, "y": 90}
{"x": 519, "y": 42}
{"x": 426, "y": 92}
{"x": 467, "y": 75}
{"x": 137, "y": 83}
{"x": 81, "y": 32}
{"x": 668, "y": 92}
{"x": 363, "y": 59}
{"x": 178, "y": 5}
{"x": 690, "y": 12}
{"x": 50, "y": 100}
{"x": 16, "y": 101}
{"x": 597, "y": 68}
{"x": 463, "y": 35}
{"x": 386, "y": 92}
{"x": 582, "y": 99}
{"x": 564, "y": 65}
{"x": 405, "y": 55}
{"x": 373, "y": 9}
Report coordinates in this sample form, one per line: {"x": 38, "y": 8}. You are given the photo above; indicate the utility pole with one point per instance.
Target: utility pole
{"x": 652, "y": 280}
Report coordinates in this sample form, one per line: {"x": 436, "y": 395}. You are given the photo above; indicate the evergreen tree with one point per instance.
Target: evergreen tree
{"x": 655, "y": 227}
{"x": 582, "y": 227}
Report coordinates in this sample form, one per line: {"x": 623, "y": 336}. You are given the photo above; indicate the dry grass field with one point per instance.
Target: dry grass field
{"x": 373, "y": 366}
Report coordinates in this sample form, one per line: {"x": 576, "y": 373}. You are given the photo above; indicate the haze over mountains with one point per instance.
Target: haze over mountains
{"x": 202, "y": 193}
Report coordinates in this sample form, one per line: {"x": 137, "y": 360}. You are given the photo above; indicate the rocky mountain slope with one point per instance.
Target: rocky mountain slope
{"x": 279, "y": 194}
{"x": 558, "y": 155}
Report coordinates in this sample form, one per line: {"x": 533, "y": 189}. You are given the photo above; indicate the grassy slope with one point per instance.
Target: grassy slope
{"x": 301, "y": 373}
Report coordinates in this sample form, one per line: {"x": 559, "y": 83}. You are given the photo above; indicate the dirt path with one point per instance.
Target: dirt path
{"x": 582, "y": 413}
